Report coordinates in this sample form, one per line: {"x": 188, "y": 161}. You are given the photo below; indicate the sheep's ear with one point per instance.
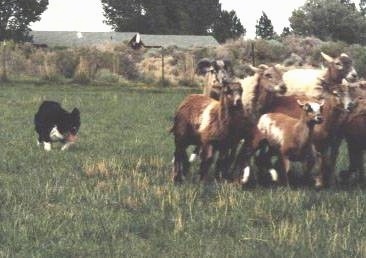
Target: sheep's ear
{"x": 204, "y": 66}
{"x": 327, "y": 58}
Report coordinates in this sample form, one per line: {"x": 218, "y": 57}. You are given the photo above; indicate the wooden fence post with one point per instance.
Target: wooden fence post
{"x": 162, "y": 64}
{"x": 4, "y": 76}
{"x": 253, "y": 54}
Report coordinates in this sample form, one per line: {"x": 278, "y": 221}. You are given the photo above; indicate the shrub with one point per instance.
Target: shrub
{"x": 66, "y": 62}
{"x": 269, "y": 51}
{"x": 105, "y": 75}
{"x": 358, "y": 54}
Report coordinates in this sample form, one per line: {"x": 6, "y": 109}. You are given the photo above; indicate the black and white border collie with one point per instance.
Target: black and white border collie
{"x": 54, "y": 124}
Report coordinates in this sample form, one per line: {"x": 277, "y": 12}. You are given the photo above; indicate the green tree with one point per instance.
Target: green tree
{"x": 362, "y": 6}
{"x": 329, "y": 20}
{"x": 264, "y": 27}
{"x": 285, "y": 32}
{"x": 16, "y": 15}
{"x": 228, "y": 26}
{"x": 199, "y": 17}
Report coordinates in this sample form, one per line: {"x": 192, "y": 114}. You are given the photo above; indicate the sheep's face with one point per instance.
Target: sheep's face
{"x": 341, "y": 67}
{"x": 219, "y": 70}
{"x": 313, "y": 111}
{"x": 349, "y": 93}
{"x": 271, "y": 80}
{"x": 232, "y": 91}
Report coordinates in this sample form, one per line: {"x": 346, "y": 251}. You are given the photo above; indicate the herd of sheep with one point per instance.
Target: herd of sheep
{"x": 271, "y": 119}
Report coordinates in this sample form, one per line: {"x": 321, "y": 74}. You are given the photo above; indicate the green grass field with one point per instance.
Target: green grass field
{"x": 111, "y": 195}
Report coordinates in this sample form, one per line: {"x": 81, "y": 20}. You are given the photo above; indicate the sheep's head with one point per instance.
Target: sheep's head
{"x": 270, "y": 78}
{"x": 232, "y": 92}
{"x": 340, "y": 68}
{"x": 219, "y": 68}
{"x": 313, "y": 111}
{"x": 349, "y": 93}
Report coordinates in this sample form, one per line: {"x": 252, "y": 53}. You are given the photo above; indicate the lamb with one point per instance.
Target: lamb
{"x": 209, "y": 124}
{"x": 215, "y": 72}
{"x": 327, "y": 134}
{"x": 291, "y": 137}
{"x": 313, "y": 82}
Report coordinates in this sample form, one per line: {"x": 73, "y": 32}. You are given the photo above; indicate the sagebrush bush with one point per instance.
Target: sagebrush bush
{"x": 66, "y": 62}
{"x": 106, "y": 76}
{"x": 269, "y": 51}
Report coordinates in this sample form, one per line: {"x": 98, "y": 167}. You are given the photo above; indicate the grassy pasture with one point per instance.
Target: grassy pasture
{"x": 110, "y": 195}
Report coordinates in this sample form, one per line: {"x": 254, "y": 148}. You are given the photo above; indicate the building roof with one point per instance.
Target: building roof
{"x": 75, "y": 38}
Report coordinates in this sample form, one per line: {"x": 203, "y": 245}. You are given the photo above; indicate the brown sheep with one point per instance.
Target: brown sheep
{"x": 354, "y": 132}
{"x": 293, "y": 138}
{"x": 326, "y": 135}
{"x": 313, "y": 82}
{"x": 215, "y": 72}
{"x": 209, "y": 124}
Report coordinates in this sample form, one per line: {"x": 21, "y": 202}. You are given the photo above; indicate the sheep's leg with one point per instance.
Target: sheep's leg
{"x": 321, "y": 176}
{"x": 231, "y": 161}
{"x": 356, "y": 161}
{"x": 206, "y": 160}
{"x": 223, "y": 163}
{"x": 185, "y": 163}
{"x": 285, "y": 169}
{"x": 334, "y": 151}
{"x": 312, "y": 162}
{"x": 180, "y": 160}
{"x": 243, "y": 161}
{"x": 194, "y": 154}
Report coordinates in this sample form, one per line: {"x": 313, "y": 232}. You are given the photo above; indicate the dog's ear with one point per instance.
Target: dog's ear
{"x": 75, "y": 112}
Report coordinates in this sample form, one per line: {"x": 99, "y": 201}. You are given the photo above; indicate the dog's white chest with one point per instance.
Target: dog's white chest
{"x": 55, "y": 135}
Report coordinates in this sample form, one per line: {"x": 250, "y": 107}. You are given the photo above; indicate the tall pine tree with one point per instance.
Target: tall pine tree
{"x": 264, "y": 27}
{"x": 228, "y": 26}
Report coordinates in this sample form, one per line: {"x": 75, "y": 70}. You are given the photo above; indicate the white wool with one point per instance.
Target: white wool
{"x": 248, "y": 85}
{"x": 205, "y": 117}
{"x": 268, "y": 127}
{"x": 304, "y": 81}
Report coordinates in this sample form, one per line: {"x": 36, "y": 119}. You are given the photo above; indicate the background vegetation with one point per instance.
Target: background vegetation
{"x": 111, "y": 194}
{"x": 108, "y": 63}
